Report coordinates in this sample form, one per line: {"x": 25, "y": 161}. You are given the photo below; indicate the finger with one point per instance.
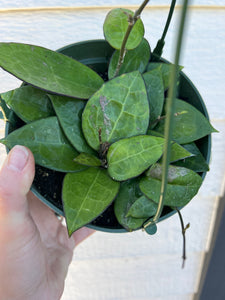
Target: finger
{"x": 16, "y": 177}
{"x": 81, "y": 234}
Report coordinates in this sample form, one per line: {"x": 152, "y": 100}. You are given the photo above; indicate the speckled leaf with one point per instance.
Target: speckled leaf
{"x": 196, "y": 163}
{"x": 119, "y": 108}
{"x": 129, "y": 192}
{"x": 69, "y": 112}
{"x": 29, "y": 103}
{"x": 142, "y": 208}
{"x": 189, "y": 126}
{"x": 166, "y": 70}
{"x": 128, "y": 158}
{"x": 46, "y": 140}
{"x": 183, "y": 185}
{"x": 88, "y": 160}
{"x": 86, "y": 195}
{"x": 115, "y": 27}
{"x": 49, "y": 70}
{"x": 136, "y": 59}
{"x": 155, "y": 91}
{"x": 178, "y": 152}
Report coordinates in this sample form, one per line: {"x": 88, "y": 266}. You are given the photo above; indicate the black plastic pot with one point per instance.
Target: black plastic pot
{"x": 47, "y": 184}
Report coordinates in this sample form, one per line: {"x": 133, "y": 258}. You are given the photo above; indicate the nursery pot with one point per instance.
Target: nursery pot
{"x": 47, "y": 184}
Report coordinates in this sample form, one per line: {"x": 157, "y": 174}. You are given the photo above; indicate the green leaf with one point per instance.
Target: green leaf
{"x": 155, "y": 90}
{"x": 178, "y": 152}
{"x": 69, "y": 112}
{"x": 129, "y": 192}
{"x": 130, "y": 157}
{"x": 142, "y": 208}
{"x": 29, "y": 103}
{"x": 86, "y": 195}
{"x": 46, "y": 140}
{"x": 49, "y": 70}
{"x": 88, "y": 160}
{"x": 189, "y": 126}
{"x": 165, "y": 68}
{"x": 119, "y": 108}
{"x": 196, "y": 163}
{"x": 183, "y": 185}
{"x": 115, "y": 28}
{"x": 136, "y": 59}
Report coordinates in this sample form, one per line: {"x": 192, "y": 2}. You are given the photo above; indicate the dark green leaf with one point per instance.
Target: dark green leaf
{"x": 136, "y": 59}
{"x": 130, "y": 157}
{"x": 189, "y": 124}
{"x": 115, "y": 27}
{"x": 196, "y": 163}
{"x": 142, "y": 208}
{"x": 46, "y": 140}
{"x": 183, "y": 185}
{"x": 155, "y": 90}
{"x": 49, "y": 70}
{"x": 69, "y": 112}
{"x": 119, "y": 108}
{"x": 29, "y": 103}
{"x": 166, "y": 70}
{"x": 129, "y": 192}
{"x": 86, "y": 195}
{"x": 88, "y": 160}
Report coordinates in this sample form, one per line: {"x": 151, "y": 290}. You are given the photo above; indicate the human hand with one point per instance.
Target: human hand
{"x": 35, "y": 250}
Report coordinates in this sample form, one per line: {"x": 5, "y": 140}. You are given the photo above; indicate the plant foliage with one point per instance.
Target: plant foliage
{"x": 107, "y": 136}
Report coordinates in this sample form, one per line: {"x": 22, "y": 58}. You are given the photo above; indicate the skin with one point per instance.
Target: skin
{"x": 35, "y": 250}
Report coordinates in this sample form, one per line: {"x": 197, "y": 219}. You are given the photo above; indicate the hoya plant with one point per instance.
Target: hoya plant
{"x": 107, "y": 133}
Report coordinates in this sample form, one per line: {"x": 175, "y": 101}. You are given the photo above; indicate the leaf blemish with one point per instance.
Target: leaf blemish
{"x": 104, "y": 102}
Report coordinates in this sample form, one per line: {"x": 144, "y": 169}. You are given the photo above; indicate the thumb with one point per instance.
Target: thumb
{"x": 16, "y": 177}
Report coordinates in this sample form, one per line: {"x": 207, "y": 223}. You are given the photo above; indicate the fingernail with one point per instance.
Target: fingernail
{"x": 17, "y": 158}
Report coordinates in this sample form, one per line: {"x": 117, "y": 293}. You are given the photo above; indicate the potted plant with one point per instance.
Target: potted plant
{"x": 97, "y": 116}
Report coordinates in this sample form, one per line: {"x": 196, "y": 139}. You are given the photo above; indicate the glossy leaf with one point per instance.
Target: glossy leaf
{"x": 29, "y": 103}
{"x": 136, "y": 59}
{"x": 119, "y": 108}
{"x": 88, "y": 160}
{"x": 115, "y": 27}
{"x": 142, "y": 208}
{"x": 69, "y": 112}
{"x": 196, "y": 162}
{"x": 49, "y": 70}
{"x": 129, "y": 193}
{"x": 128, "y": 158}
{"x": 183, "y": 185}
{"x": 166, "y": 70}
{"x": 155, "y": 90}
{"x": 86, "y": 195}
{"x": 46, "y": 140}
{"x": 189, "y": 126}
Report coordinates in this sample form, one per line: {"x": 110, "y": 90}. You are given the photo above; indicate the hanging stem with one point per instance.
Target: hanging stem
{"x": 161, "y": 42}
{"x": 131, "y": 21}
{"x": 184, "y": 257}
{"x": 170, "y": 107}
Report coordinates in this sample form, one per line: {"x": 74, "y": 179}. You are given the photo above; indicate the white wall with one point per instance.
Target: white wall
{"x": 136, "y": 266}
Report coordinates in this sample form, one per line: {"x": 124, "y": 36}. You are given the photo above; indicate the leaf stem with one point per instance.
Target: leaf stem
{"x": 170, "y": 107}
{"x": 184, "y": 257}
{"x": 131, "y": 22}
{"x": 157, "y": 52}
